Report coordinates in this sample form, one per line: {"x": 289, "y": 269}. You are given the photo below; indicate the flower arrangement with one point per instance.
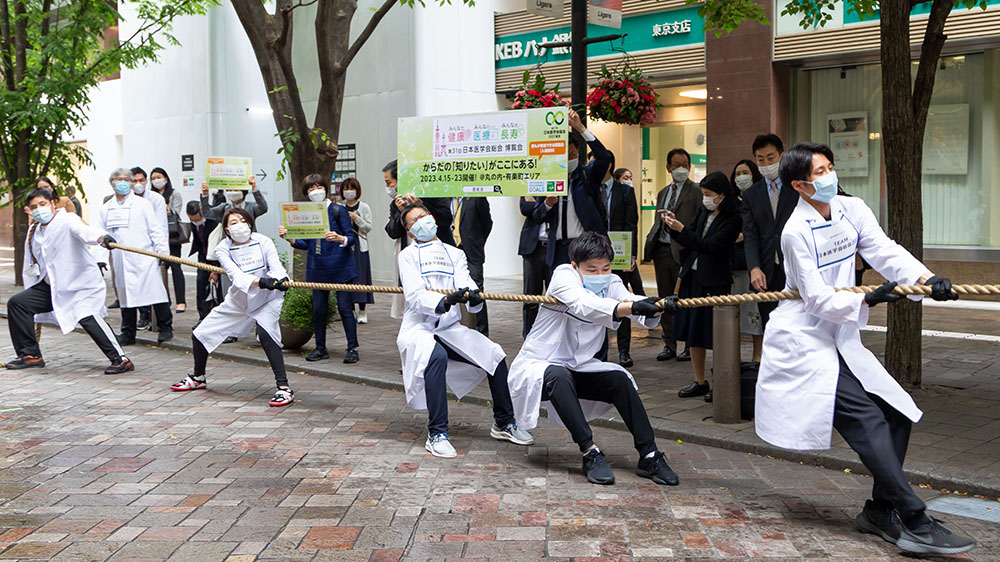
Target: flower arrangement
{"x": 623, "y": 96}
{"x": 532, "y": 95}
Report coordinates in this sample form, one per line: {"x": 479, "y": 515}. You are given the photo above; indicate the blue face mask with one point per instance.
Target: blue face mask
{"x": 597, "y": 284}
{"x": 826, "y": 187}
{"x": 123, "y": 187}
{"x": 42, "y": 214}
{"x": 424, "y": 229}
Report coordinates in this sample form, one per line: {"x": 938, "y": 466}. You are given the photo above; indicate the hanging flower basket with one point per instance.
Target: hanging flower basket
{"x": 536, "y": 94}
{"x": 623, "y": 96}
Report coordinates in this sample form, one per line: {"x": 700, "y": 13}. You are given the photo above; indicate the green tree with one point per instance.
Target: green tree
{"x": 53, "y": 53}
{"x": 906, "y": 98}
{"x": 308, "y": 148}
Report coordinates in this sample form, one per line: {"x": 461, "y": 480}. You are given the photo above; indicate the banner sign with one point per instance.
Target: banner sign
{"x": 510, "y": 153}
{"x": 848, "y": 138}
{"x": 305, "y": 219}
{"x": 605, "y": 12}
{"x": 228, "y": 172}
{"x": 621, "y": 243}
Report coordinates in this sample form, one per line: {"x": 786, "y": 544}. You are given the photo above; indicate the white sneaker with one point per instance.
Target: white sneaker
{"x": 511, "y": 433}
{"x": 440, "y": 446}
{"x": 362, "y": 317}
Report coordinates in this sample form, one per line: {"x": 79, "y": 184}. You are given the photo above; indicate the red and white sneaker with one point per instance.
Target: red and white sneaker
{"x": 282, "y": 397}
{"x": 188, "y": 383}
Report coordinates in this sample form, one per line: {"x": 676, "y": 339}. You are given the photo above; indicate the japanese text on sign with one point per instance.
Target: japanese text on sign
{"x": 671, "y": 28}
{"x": 305, "y": 220}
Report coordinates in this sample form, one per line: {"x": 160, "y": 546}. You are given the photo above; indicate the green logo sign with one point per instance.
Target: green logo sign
{"x": 555, "y": 118}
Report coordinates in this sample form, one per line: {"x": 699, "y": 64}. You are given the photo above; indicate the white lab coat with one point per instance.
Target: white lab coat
{"x": 568, "y": 335}
{"x": 245, "y": 305}
{"x": 133, "y": 222}
{"x": 436, "y": 265}
{"x": 159, "y": 206}
{"x": 797, "y": 382}
{"x": 78, "y": 288}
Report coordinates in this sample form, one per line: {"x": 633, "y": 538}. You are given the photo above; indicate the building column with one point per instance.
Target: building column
{"x": 747, "y": 93}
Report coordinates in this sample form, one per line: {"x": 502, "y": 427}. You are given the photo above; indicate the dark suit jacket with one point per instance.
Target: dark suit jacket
{"x": 535, "y": 215}
{"x": 475, "y": 224}
{"x": 585, "y": 187}
{"x": 623, "y": 215}
{"x": 713, "y": 250}
{"x": 199, "y": 239}
{"x": 688, "y": 204}
{"x": 761, "y": 232}
{"x": 440, "y": 208}
{"x": 333, "y": 263}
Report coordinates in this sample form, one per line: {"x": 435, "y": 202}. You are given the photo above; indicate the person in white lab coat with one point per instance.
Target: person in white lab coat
{"x": 255, "y": 270}
{"x": 61, "y": 277}
{"x": 815, "y": 373}
{"x": 140, "y": 186}
{"x": 557, "y": 364}
{"x": 436, "y": 350}
{"x": 134, "y": 222}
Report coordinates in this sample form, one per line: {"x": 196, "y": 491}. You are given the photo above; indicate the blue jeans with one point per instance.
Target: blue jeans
{"x": 321, "y": 308}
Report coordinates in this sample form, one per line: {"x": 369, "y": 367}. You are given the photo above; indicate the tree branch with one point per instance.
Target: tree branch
{"x": 359, "y": 42}
{"x": 6, "y": 46}
{"x": 930, "y": 54}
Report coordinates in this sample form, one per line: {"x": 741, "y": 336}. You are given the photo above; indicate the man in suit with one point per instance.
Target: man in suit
{"x": 471, "y": 228}
{"x": 439, "y": 207}
{"x": 623, "y": 216}
{"x": 533, "y": 249}
{"x": 683, "y": 198}
{"x": 201, "y": 229}
{"x": 765, "y": 210}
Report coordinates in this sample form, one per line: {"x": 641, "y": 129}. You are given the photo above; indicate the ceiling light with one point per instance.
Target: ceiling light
{"x": 696, "y": 94}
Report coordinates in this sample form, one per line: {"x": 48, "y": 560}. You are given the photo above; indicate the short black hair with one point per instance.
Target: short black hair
{"x": 406, "y": 210}
{"x": 797, "y": 164}
{"x": 576, "y": 139}
{"x": 590, "y": 245}
{"x": 675, "y": 152}
{"x": 40, "y": 192}
{"x": 138, "y": 170}
{"x": 390, "y": 167}
{"x": 193, "y": 208}
{"x": 313, "y": 180}
{"x": 770, "y": 139}
{"x": 619, "y": 173}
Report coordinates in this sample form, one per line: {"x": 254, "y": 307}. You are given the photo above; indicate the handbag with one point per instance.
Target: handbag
{"x": 178, "y": 232}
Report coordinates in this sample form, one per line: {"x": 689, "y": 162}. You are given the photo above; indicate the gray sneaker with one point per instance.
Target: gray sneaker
{"x": 511, "y": 433}
{"x": 933, "y": 538}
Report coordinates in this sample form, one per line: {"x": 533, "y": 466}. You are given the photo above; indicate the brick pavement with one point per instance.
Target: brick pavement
{"x": 94, "y": 467}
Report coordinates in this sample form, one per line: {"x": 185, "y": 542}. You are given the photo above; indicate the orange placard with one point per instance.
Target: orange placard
{"x": 216, "y": 160}
{"x": 542, "y": 148}
{"x": 289, "y": 207}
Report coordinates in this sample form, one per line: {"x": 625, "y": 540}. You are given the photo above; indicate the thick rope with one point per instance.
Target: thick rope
{"x": 907, "y": 290}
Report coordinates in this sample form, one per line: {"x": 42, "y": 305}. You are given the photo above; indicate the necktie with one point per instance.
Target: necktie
{"x": 774, "y": 200}
{"x": 675, "y": 191}
{"x": 456, "y": 225}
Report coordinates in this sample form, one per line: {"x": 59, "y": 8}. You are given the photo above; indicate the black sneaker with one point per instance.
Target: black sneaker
{"x": 932, "y": 538}
{"x": 119, "y": 366}
{"x": 317, "y": 355}
{"x": 882, "y": 522}
{"x": 596, "y": 468}
{"x": 142, "y": 325}
{"x": 656, "y": 469}
{"x": 25, "y": 362}
{"x": 122, "y": 340}
{"x": 231, "y": 339}
{"x": 624, "y": 359}
{"x": 351, "y": 356}
{"x": 114, "y": 304}
{"x": 164, "y": 335}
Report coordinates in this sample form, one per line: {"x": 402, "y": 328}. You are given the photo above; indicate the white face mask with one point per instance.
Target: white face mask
{"x": 627, "y": 182}
{"x": 680, "y": 174}
{"x": 350, "y": 194}
{"x": 572, "y": 165}
{"x": 391, "y": 192}
{"x": 240, "y": 232}
{"x": 234, "y": 196}
{"x": 770, "y": 171}
{"x": 317, "y": 195}
{"x": 138, "y": 188}
{"x": 159, "y": 183}
{"x": 709, "y": 203}
{"x": 744, "y": 181}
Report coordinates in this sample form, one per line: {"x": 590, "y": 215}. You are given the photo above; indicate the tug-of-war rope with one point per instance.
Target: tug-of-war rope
{"x": 774, "y": 296}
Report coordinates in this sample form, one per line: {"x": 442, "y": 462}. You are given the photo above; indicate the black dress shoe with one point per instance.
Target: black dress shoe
{"x": 685, "y": 355}
{"x": 624, "y": 359}
{"x": 164, "y": 335}
{"x": 231, "y": 339}
{"x": 666, "y": 354}
{"x": 351, "y": 356}
{"x": 317, "y": 355}
{"x": 122, "y": 340}
{"x": 656, "y": 469}
{"x": 115, "y": 304}
{"x": 694, "y": 389}
{"x": 597, "y": 469}
{"x": 708, "y": 397}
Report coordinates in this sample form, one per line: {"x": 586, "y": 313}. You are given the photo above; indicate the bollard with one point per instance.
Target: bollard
{"x": 726, "y": 363}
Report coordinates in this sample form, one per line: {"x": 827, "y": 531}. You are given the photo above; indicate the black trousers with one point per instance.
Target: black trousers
{"x": 201, "y": 290}
{"x": 667, "y": 269}
{"x": 482, "y": 317}
{"x": 436, "y": 390}
{"x": 37, "y": 299}
{"x": 178, "y": 275}
{"x": 776, "y": 282}
{"x": 164, "y": 319}
{"x": 633, "y": 282}
{"x": 564, "y": 389}
{"x": 880, "y": 435}
{"x": 271, "y": 349}
{"x": 536, "y": 275}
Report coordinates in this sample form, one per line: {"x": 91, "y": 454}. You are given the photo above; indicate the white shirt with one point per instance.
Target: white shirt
{"x": 38, "y": 251}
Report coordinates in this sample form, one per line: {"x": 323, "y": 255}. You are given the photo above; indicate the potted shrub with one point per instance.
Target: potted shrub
{"x": 623, "y": 96}
{"x": 296, "y": 319}
{"x": 535, "y": 94}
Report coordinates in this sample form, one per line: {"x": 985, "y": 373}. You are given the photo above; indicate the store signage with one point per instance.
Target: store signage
{"x": 607, "y": 13}
{"x": 546, "y": 8}
{"x": 187, "y": 162}
{"x": 522, "y": 49}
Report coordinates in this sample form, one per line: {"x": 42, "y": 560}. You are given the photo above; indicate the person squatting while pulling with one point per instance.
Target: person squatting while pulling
{"x": 436, "y": 350}
{"x": 252, "y": 264}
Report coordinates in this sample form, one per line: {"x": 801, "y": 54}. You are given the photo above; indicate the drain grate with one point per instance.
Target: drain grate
{"x": 974, "y": 508}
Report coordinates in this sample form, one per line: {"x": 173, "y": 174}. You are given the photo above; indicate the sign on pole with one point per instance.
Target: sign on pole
{"x": 510, "y": 153}
{"x": 621, "y": 243}
{"x": 228, "y": 172}
{"x": 605, "y": 12}
{"x": 305, "y": 220}
{"x": 546, "y": 8}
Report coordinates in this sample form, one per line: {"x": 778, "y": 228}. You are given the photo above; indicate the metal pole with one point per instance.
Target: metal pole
{"x": 726, "y": 363}
{"x": 578, "y": 64}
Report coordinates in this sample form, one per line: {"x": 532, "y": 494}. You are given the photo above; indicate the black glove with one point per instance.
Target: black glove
{"x": 269, "y": 283}
{"x": 476, "y": 297}
{"x": 941, "y": 289}
{"x": 647, "y": 307}
{"x": 883, "y": 294}
{"x": 280, "y": 284}
{"x": 108, "y": 240}
{"x": 457, "y": 297}
{"x": 102, "y": 266}
{"x": 670, "y": 305}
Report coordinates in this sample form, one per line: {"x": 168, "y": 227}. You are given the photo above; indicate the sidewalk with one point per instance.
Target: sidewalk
{"x": 956, "y": 446}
